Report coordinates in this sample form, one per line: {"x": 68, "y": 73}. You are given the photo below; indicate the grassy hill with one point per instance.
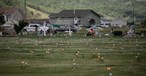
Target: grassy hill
{"x": 31, "y": 12}
{"x": 37, "y": 14}
{"x": 108, "y": 8}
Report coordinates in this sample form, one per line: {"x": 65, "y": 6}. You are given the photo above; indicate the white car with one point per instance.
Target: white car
{"x": 35, "y": 27}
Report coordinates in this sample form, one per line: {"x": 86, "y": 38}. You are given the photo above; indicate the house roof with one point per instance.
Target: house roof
{"x": 7, "y": 11}
{"x": 11, "y": 11}
{"x": 72, "y": 13}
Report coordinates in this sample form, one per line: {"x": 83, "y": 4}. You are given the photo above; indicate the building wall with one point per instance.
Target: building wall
{"x": 62, "y": 21}
{"x": 118, "y": 23}
{"x": 105, "y": 22}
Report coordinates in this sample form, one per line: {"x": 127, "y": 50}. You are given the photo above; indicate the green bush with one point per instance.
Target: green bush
{"x": 144, "y": 22}
{"x": 2, "y": 21}
{"x": 19, "y": 27}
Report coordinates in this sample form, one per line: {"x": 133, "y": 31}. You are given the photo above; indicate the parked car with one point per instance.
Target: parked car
{"x": 31, "y": 28}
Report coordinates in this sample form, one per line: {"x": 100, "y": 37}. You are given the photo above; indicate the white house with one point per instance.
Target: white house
{"x": 73, "y": 17}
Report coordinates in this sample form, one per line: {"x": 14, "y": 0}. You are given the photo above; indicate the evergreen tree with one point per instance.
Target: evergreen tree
{"x": 2, "y": 21}
{"x": 144, "y": 22}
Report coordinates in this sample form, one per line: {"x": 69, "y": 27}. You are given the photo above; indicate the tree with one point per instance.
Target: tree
{"x": 2, "y": 20}
{"x": 144, "y": 22}
{"x": 19, "y": 27}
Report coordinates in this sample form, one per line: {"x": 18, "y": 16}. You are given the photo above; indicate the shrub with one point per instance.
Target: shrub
{"x": 2, "y": 21}
{"x": 19, "y": 27}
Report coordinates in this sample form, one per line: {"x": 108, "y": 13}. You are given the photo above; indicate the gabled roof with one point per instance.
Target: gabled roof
{"x": 7, "y": 11}
{"x": 72, "y": 13}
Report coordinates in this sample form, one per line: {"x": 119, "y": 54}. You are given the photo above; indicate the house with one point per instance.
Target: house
{"x": 118, "y": 23}
{"x": 12, "y": 15}
{"x": 75, "y": 17}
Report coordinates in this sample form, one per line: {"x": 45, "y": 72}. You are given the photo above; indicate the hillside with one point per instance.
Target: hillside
{"x": 37, "y": 14}
{"x": 108, "y": 8}
{"x": 31, "y": 12}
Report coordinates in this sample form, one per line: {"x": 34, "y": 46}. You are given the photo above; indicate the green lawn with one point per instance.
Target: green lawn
{"x": 72, "y": 56}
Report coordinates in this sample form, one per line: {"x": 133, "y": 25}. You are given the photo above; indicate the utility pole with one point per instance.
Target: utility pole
{"x": 74, "y": 13}
{"x": 25, "y": 8}
{"x": 133, "y": 11}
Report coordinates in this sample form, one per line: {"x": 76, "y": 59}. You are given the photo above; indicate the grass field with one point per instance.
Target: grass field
{"x": 72, "y": 56}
